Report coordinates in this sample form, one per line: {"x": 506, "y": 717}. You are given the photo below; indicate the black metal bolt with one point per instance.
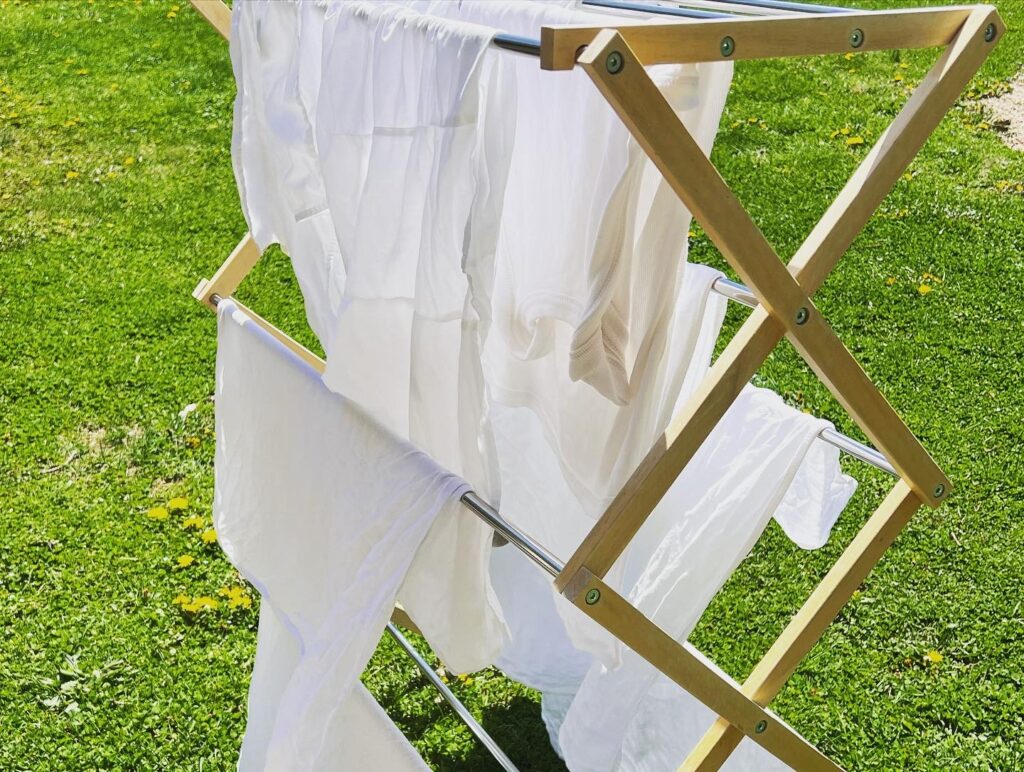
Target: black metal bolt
{"x": 614, "y": 63}
{"x": 939, "y": 490}
{"x": 761, "y": 726}
{"x": 593, "y": 596}
{"x": 801, "y": 315}
{"x": 857, "y": 38}
{"x": 990, "y": 33}
{"x": 727, "y": 46}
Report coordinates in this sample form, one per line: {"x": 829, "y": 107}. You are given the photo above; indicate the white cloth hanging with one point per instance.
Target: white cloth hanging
{"x": 275, "y": 55}
{"x": 323, "y": 511}
{"x": 403, "y": 150}
{"x": 693, "y": 541}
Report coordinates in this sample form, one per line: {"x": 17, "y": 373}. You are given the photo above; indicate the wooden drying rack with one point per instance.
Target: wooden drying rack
{"x": 614, "y": 59}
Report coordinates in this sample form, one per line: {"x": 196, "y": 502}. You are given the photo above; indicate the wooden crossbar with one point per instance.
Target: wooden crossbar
{"x": 615, "y": 59}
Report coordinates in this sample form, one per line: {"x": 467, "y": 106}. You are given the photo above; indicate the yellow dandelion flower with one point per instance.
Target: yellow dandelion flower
{"x": 851, "y": 141}
{"x": 82, "y": 72}
{"x": 209, "y": 536}
{"x": 908, "y": 176}
{"x": 177, "y": 504}
{"x": 181, "y": 600}
{"x": 205, "y": 601}
{"x": 933, "y": 656}
{"x": 72, "y": 176}
{"x": 111, "y": 174}
{"x": 192, "y": 442}
{"x": 890, "y": 281}
{"x": 184, "y": 561}
{"x": 195, "y": 521}
{"x": 931, "y": 277}
{"x": 924, "y": 289}
{"x": 158, "y": 513}
{"x": 128, "y": 160}
{"x": 898, "y": 77}
{"x": 242, "y": 601}
{"x": 847, "y": 56}
{"x": 983, "y": 125}
{"x": 171, "y": 14}
{"x": 845, "y": 131}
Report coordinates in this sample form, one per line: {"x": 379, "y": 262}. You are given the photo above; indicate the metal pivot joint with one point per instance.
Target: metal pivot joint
{"x": 614, "y": 62}
{"x": 727, "y": 46}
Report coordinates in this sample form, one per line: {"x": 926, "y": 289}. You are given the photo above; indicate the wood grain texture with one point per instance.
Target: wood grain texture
{"x": 810, "y": 622}
{"x": 231, "y": 272}
{"x": 217, "y": 13}
{"x": 700, "y": 40}
{"x": 694, "y": 673}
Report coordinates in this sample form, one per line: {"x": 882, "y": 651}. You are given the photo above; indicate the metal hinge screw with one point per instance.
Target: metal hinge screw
{"x": 857, "y": 38}
{"x": 727, "y": 46}
{"x": 593, "y": 596}
{"x": 939, "y": 490}
{"x": 614, "y": 63}
{"x": 990, "y": 33}
{"x": 761, "y": 726}
{"x": 801, "y": 315}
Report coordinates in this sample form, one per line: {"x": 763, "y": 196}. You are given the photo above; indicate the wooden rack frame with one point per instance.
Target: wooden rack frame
{"x": 614, "y": 59}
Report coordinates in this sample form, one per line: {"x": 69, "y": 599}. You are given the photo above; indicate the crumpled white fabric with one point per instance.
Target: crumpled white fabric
{"x": 275, "y": 54}
{"x": 401, "y": 336}
{"x": 693, "y": 541}
{"x": 323, "y": 511}
{"x": 592, "y": 239}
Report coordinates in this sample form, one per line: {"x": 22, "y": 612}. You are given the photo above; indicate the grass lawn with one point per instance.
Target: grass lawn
{"x": 116, "y": 196}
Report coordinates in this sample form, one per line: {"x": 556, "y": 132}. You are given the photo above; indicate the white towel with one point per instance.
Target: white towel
{"x": 323, "y": 511}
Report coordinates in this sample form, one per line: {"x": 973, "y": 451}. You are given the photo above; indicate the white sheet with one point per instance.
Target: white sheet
{"x": 323, "y": 511}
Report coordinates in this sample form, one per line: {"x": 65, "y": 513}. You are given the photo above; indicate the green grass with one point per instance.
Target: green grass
{"x": 116, "y": 196}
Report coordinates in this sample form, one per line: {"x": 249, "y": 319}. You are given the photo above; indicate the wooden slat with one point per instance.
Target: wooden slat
{"x": 700, "y": 40}
{"x": 217, "y": 13}
{"x": 810, "y": 622}
{"x": 231, "y": 272}
{"x": 657, "y": 128}
{"x": 873, "y": 179}
{"x": 691, "y": 670}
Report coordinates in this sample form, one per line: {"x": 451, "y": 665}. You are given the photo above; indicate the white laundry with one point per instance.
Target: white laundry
{"x": 323, "y": 511}
{"x": 693, "y": 541}
{"x": 592, "y": 240}
{"x": 275, "y": 53}
{"x": 413, "y": 196}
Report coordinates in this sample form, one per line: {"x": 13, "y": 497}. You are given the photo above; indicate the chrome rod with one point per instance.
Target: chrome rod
{"x": 460, "y": 709}
{"x": 529, "y": 547}
{"x": 741, "y": 294}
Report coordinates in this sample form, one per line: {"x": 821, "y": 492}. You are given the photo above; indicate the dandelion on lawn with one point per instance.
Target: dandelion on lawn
{"x": 898, "y": 77}
{"x": 890, "y": 281}
{"x": 908, "y": 176}
{"x": 924, "y": 289}
{"x": 111, "y": 174}
{"x": 184, "y": 561}
{"x": 201, "y": 603}
{"x": 177, "y": 504}
{"x": 195, "y": 521}
{"x": 933, "y": 657}
{"x": 158, "y": 513}
{"x": 82, "y": 72}
{"x": 239, "y": 601}
{"x": 72, "y": 176}
{"x": 181, "y": 600}
{"x": 192, "y": 442}
{"x": 128, "y": 160}
{"x": 852, "y": 141}
{"x": 209, "y": 536}
{"x": 848, "y": 56}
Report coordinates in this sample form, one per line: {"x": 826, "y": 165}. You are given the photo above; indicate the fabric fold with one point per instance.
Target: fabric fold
{"x": 323, "y": 511}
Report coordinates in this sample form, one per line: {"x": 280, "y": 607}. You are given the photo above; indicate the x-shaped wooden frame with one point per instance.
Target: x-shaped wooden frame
{"x": 614, "y": 59}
